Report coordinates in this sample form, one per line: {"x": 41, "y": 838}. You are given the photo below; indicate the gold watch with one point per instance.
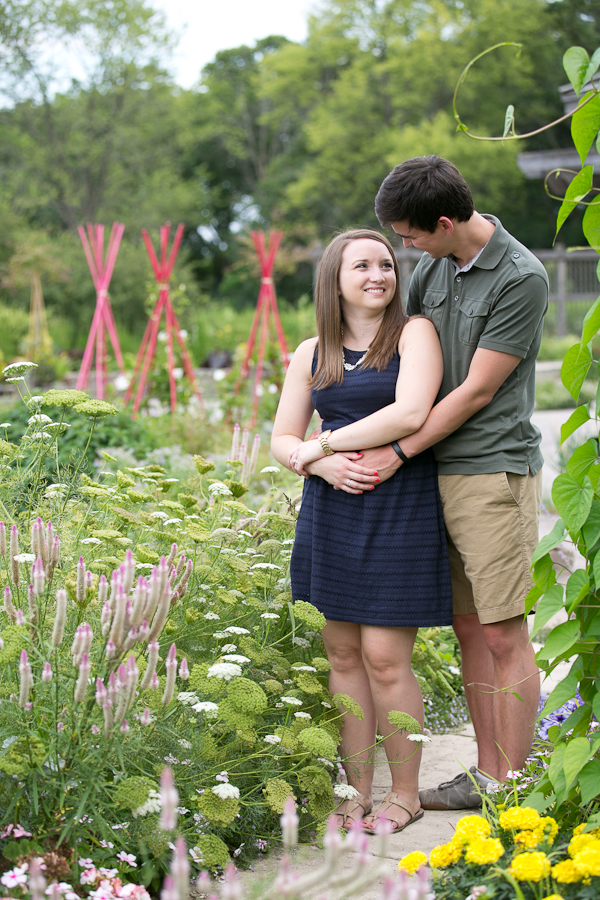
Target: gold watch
{"x": 323, "y": 440}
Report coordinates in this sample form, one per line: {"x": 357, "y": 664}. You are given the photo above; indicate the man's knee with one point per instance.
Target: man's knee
{"x": 508, "y": 639}
{"x": 467, "y": 629}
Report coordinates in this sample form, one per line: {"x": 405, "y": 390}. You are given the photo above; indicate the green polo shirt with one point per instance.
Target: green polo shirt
{"x": 499, "y": 304}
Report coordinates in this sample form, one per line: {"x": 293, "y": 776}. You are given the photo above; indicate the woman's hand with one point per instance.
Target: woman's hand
{"x": 343, "y": 471}
{"x": 304, "y": 454}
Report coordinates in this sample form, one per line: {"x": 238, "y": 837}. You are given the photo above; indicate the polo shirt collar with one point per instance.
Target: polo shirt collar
{"x": 495, "y": 248}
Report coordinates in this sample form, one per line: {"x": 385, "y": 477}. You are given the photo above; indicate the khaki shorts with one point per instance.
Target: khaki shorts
{"x": 492, "y": 527}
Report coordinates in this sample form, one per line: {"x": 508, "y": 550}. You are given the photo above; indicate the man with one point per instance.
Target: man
{"x": 486, "y": 294}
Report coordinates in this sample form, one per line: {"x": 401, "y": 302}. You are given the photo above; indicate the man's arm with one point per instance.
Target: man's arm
{"x": 489, "y": 369}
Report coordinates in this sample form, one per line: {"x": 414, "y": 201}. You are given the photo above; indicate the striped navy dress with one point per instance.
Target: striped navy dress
{"x": 377, "y": 558}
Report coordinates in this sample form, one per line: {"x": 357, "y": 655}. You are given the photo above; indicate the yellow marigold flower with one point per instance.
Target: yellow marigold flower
{"x": 445, "y": 855}
{"x": 470, "y": 827}
{"x": 528, "y": 839}
{"x": 547, "y": 829}
{"x": 565, "y": 872}
{"x": 587, "y": 861}
{"x": 519, "y": 818}
{"x": 413, "y": 861}
{"x": 530, "y": 866}
{"x": 483, "y": 851}
{"x": 580, "y": 841}
{"x": 552, "y": 897}
{"x": 579, "y": 829}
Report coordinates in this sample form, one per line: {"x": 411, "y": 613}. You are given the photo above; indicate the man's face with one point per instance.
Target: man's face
{"x": 435, "y": 243}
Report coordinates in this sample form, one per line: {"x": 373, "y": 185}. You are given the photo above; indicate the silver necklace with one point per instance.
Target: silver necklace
{"x": 347, "y": 366}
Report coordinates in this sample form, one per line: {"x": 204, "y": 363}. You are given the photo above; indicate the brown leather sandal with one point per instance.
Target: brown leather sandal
{"x": 353, "y": 806}
{"x": 390, "y": 800}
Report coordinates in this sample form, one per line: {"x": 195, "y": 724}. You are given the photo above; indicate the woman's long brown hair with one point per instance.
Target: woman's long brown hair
{"x": 328, "y": 311}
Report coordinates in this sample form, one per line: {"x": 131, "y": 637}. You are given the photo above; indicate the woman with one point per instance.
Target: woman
{"x": 374, "y": 562}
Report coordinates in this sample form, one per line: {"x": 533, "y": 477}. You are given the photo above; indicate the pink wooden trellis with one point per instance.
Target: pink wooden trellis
{"x": 162, "y": 273}
{"x": 266, "y": 305}
{"x": 103, "y": 321}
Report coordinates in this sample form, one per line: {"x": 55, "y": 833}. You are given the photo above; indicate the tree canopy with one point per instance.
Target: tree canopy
{"x": 279, "y": 134}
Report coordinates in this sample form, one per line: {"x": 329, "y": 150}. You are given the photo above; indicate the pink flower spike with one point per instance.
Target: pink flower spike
{"x": 47, "y": 672}
{"x": 110, "y": 650}
{"x": 95, "y": 730}
{"x": 171, "y": 657}
{"x": 184, "y": 672}
{"x": 20, "y": 620}
{"x": 60, "y": 726}
{"x": 145, "y": 717}
{"x": 154, "y": 682}
{"x": 124, "y": 727}
{"x": 2, "y": 539}
{"x": 169, "y": 800}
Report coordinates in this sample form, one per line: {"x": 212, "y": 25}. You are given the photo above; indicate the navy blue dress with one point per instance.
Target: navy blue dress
{"x": 377, "y": 558}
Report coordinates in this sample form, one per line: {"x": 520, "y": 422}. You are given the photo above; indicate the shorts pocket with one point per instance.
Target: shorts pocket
{"x": 473, "y": 316}
{"x": 514, "y": 484}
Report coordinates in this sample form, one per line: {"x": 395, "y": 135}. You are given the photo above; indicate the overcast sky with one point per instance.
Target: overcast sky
{"x": 212, "y": 25}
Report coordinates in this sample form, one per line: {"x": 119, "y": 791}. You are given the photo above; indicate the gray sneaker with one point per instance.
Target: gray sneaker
{"x": 460, "y": 793}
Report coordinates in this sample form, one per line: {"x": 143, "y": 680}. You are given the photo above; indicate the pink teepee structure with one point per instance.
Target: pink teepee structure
{"x": 266, "y": 304}
{"x": 103, "y": 321}
{"x": 162, "y": 273}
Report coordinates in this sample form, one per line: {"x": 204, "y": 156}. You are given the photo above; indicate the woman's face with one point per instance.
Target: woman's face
{"x": 367, "y": 279}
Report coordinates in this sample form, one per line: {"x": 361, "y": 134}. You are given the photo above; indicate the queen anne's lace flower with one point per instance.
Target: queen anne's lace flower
{"x": 265, "y": 565}
{"x": 293, "y": 701}
{"x": 206, "y": 706}
{"x": 226, "y": 671}
{"x": 226, "y": 791}
{"x": 272, "y": 739}
{"x": 270, "y": 470}
{"x": 345, "y": 791}
{"x": 303, "y": 669}
{"x": 236, "y": 658}
{"x": 272, "y": 616}
{"x": 419, "y": 738}
{"x": 219, "y": 488}
{"x": 302, "y": 715}
{"x": 236, "y": 629}
{"x": 18, "y": 368}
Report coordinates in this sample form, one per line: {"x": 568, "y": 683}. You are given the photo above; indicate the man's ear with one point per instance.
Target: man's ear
{"x": 446, "y": 224}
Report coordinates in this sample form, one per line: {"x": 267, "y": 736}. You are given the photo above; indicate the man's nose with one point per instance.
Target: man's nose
{"x": 407, "y": 242}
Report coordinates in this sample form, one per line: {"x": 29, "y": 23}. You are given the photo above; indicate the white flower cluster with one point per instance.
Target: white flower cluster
{"x": 272, "y": 739}
{"x": 225, "y": 671}
{"x": 187, "y": 697}
{"x": 419, "y": 738}
{"x": 236, "y": 629}
{"x": 205, "y": 706}
{"x": 271, "y": 616}
{"x": 236, "y": 658}
{"x": 152, "y": 805}
{"x": 226, "y": 791}
{"x": 219, "y": 488}
{"x": 293, "y": 701}
{"x": 345, "y": 791}
{"x": 303, "y": 669}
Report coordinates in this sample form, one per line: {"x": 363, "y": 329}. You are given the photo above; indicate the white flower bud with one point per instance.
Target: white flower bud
{"x": 171, "y": 668}
{"x": 9, "y": 608}
{"x": 169, "y": 800}
{"x": 129, "y": 572}
{"x": 172, "y": 555}
{"x": 26, "y": 679}
{"x": 80, "y": 587}
{"x": 2, "y": 539}
{"x": 151, "y": 665}
{"x": 82, "y": 679}
{"x": 102, "y": 590}
{"x": 47, "y": 672}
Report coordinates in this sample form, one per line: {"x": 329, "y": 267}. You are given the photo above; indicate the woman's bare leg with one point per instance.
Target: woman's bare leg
{"x": 387, "y": 656}
{"x": 349, "y": 676}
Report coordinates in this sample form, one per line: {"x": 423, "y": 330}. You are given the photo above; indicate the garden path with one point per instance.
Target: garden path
{"x": 441, "y": 760}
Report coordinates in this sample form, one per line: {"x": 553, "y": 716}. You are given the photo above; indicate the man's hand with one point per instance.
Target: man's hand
{"x": 343, "y": 471}
{"x": 383, "y": 459}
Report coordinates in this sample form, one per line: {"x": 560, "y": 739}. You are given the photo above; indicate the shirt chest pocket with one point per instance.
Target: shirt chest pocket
{"x": 473, "y": 315}
{"x": 433, "y": 306}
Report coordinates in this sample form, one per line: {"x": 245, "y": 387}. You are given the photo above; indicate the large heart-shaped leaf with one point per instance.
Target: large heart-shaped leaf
{"x": 573, "y": 500}
{"x": 579, "y": 67}
{"x": 559, "y": 640}
{"x": 548, "y": 606}
{"x": 589, "y": 781}
{"x": 577, "y": 418}
{"x": 582, "y": 459}
{"x": 575, "y": 366}
{"x": 591, "y": 322}
{"x": 591, "y": 529}
{"x": 563, "y": 691}
{"x": 550, "y": 541}
{"x": 576, "y": 191}
{"x": 585, "y": 125}
{"x": 591, "y": 224}
{"x": 576, "y": 756}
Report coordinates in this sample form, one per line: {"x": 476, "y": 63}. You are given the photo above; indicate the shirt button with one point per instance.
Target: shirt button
{"x": 516, "y": 255}
{"x": 458, "y": 278}
{"x": 457, "y": 297}
{"x": 470, "y": 312}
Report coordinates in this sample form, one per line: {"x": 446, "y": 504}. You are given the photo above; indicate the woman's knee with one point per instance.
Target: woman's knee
{"x": 345, "y": 657}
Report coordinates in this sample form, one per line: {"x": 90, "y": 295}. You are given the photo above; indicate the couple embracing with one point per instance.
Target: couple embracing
{"x": 422, "y": 490}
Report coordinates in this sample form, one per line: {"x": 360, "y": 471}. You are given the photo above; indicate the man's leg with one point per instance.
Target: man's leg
{"x": 514, "y": 669}
{"x": 478, "y": 676}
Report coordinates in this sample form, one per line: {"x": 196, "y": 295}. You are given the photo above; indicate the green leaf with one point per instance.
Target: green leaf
{"x": 579, "y": 67}
{"x": 591, "y": 224}
{"x": 549, "y": 605}
{"x": 563, "y": 691}
{"x": 537, "y": 801}
{"x": 589, "y": 781}
{"x": 550, "y": 541}
{"x": 578, "y": 586}
{"x": 591, "y": 529}
{"x": 555, "y": 769}
{"x": 577, "y": 418}
{"x": 575, "y": 367}
{"x": 576, "y": 191}
{"x": 582, "y": 459}
{"x": 585, "y": 125}
{"x": 509, "y": 120}
{"x": 591, "y": 322}
{"x": 596, "y": 705}
{"x": 579, "y": 719}
{"x": 596, "y": 570}
{"x": 559, "y": 641}
{"x": 573, "y": 500}
{"x": 543, "y": 573}
{"x": 576, "y": 756}
{"x": 594, "y": 476}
